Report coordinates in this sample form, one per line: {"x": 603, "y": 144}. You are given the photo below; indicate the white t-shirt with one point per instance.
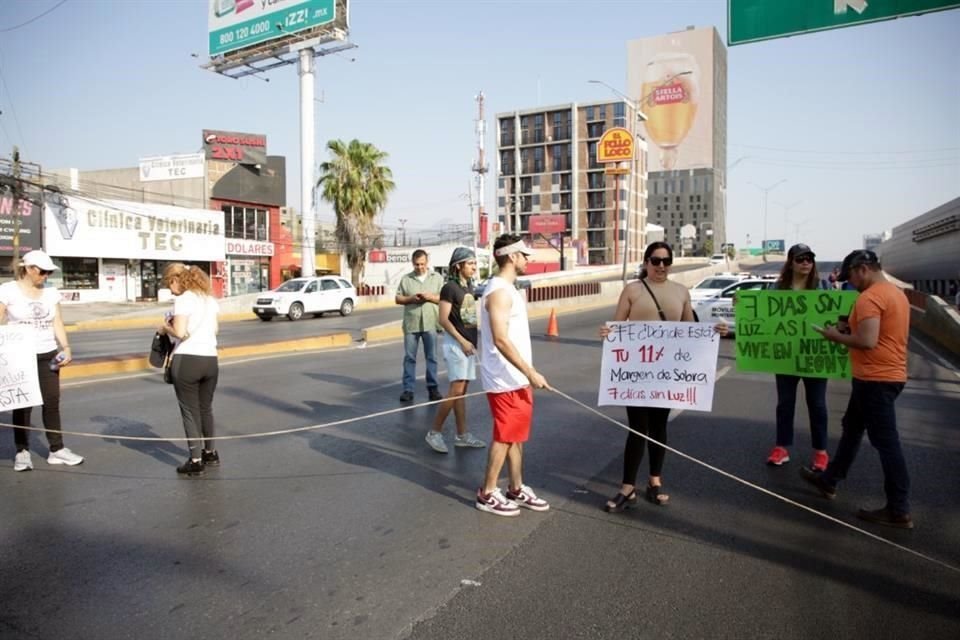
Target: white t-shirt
{"x": 201, "y": 312}
{"x": 38, "y": 314}
{"x": 497, "y": 375}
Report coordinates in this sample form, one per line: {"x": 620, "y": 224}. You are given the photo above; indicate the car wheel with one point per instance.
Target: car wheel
{"x": 346, "y": 307}
{"x": 296, "y": 312}
{"x": 266, "y": 318}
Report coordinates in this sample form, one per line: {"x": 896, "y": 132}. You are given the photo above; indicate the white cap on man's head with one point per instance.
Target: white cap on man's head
{"x": 517, "y": 247}
{"x": 38, "y": 258}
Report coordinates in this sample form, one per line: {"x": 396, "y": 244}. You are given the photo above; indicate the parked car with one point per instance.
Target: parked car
{"x": 719, "y": 306}
{"x": 711, "y": 285}
{"x": 300, "y": 296}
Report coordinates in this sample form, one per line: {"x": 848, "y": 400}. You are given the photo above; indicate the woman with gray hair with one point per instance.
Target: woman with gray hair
{"x": 458, "y": 317}
{"x": 29, "y": 301}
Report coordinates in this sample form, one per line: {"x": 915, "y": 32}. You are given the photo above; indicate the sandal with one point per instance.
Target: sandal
{"x": 654, "y": 496}
{"x": 621, "y": 502}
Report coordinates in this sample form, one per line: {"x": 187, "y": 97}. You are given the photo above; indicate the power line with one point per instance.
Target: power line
{"x": 34, "y": 19}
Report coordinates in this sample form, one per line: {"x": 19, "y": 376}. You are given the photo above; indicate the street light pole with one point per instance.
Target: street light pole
{"x": 766, "y": 192}
{"x": 403, "y": 230}
{"x": 786, "y": 216}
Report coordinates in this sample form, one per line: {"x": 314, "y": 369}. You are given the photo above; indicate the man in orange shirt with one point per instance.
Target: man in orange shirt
{"x": 879, "y": 327}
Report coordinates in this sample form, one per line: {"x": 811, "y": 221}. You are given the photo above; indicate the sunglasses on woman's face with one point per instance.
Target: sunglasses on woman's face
{"x": 43, "y": 272}
{"x": 803, "y": 259}
{"x": 657, "y": 261}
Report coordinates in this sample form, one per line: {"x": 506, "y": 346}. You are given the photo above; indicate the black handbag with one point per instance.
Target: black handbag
{"x": 160, "y": 348}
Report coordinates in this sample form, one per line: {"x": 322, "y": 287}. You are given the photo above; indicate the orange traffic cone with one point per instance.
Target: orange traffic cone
{"x": 552, "y": 330}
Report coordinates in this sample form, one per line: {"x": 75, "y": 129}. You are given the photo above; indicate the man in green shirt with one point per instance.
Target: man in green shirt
{"x": 419, "y": 293}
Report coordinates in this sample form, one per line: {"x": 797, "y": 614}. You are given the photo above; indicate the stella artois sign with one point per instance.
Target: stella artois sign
{"x": 615, "y": 145}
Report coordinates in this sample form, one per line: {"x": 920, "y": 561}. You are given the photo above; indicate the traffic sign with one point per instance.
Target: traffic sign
{"x": 753, "y": 20}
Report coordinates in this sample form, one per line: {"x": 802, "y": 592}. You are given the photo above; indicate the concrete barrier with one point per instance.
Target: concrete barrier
{"x": 937, "y": 320}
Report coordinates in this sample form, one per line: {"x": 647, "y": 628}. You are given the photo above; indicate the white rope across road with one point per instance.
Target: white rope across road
{"x": 590, "y": 409}
{"x": 758, "y": 487}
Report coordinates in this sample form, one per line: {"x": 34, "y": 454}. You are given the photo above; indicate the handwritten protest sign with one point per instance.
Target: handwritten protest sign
{"x": 671, "y": 365}
{"x": 19, "y": 385}
{"x": 775, "y": 332}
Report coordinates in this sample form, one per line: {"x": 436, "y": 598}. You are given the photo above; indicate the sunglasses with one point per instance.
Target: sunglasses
{"x": 657, "y": 261}
{"x": 42, "y": 272}
{"x": 803, "y": 259}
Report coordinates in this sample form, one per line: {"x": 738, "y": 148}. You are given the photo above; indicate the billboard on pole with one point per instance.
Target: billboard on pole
{"x": 672, "y": 78}
{"x": 239, "y": 24}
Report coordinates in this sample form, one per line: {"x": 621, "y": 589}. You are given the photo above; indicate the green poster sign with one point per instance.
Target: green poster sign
{"x": 752, "y": 20}
{"x": 237, "y": 25}
{"x": 775, "y": 332}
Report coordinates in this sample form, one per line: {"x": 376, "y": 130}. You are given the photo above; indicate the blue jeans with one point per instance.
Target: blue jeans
{"x": 816, "y": 395}
{"x": 410, "y": 359}
{"x": 872, "y": 409}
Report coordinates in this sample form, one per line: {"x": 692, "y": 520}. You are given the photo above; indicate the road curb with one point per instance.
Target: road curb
{"x": 145, "y": 322}
{"x": 122, "y": 365}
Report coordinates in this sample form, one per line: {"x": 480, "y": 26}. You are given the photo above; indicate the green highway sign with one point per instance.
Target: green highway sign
{"x": 753, "y": 20}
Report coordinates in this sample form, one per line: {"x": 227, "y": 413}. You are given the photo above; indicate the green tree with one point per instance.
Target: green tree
{"x": 357, "y": 183}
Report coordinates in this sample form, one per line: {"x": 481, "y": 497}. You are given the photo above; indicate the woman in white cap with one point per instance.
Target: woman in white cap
{"x": 29, "y": 301}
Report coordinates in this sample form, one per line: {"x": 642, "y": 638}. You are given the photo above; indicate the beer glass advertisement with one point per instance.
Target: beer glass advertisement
{"x": 671, "y": 76}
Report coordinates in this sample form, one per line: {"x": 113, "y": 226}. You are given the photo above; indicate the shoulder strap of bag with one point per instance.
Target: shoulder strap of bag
{"x": 663, "y": 316}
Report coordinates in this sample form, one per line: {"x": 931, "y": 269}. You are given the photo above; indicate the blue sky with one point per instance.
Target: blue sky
{"x": 861, "y": 122}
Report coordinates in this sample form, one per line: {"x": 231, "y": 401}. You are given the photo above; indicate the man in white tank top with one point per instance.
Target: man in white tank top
{"x": 507, "y": 375}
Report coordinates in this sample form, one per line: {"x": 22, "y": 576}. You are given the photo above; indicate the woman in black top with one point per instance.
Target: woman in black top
{"x": 458, "y": 317}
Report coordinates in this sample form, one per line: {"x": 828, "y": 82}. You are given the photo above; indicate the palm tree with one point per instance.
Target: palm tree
{"x": 357, "y": 183}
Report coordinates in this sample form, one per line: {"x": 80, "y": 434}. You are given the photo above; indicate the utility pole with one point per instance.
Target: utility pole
{"x": 17, "y": 194}
{"x": 480, "y": 167}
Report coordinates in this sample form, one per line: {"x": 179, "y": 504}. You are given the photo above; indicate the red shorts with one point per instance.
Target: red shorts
{"x": 512, "y": 414}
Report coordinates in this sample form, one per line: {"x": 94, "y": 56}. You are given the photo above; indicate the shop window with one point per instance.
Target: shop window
{"x": 246, "y": 223}
{"x": 80, "y": 273}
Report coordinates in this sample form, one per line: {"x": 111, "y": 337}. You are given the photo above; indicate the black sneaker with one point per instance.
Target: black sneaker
{"x": 406, "y": 396}
{"x": 191, "y": 468}
{"x": 815, "y": 478}
{"x": 434, "y": 394}
{"x": 210, "y": 458}
{"x": 887, "y": 517}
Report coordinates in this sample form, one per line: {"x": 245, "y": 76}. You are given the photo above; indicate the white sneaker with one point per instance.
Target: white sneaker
{"x": 525, "y": 497}
{"x": 22, "y": 461}
{"x": 64, "y": 456}
{"x": 469, "y": 440}
{"x": 496, "y": 503}
{"x": 435, "y": 440}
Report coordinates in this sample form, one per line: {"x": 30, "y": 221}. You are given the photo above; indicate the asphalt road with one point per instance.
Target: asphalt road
{"x": 90, "y": 345}
{"x": 361, "y": 531}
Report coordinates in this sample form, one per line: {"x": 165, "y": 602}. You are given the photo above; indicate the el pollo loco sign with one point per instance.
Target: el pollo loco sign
{"x": 615, "y": 145}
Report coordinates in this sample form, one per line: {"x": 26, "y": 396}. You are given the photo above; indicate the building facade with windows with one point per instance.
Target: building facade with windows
{"x": 547, "y": 164}
{"x": 244, "y": 196}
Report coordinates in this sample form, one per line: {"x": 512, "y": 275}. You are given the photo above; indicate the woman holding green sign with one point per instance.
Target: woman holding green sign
{"x": 799, "y": 273}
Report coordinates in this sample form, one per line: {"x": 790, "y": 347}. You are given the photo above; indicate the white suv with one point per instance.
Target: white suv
{"x": 299, "y": 296}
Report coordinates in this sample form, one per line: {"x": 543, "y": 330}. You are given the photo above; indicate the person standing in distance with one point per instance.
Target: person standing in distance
{"x": 507, "y": 375}
{"x": 653, "y": 297}
{"x": 879, "y": 329}
{"x": 419, "y": 293}
{"x": 799, "y": 273}
{"x": 195, "y": 366}
{"x": 29, "y": 301}
{"x": 458, "y": 317}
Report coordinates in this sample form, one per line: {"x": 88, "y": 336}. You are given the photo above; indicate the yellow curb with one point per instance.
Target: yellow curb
{"x": 130, "y": 365}
{"x": 145, "y": 322}
{"x": 386, "y": 331}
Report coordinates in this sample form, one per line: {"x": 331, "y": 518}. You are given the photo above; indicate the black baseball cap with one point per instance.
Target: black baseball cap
{"x": 855, "y": 259}
{"x": 800, "y": 250}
